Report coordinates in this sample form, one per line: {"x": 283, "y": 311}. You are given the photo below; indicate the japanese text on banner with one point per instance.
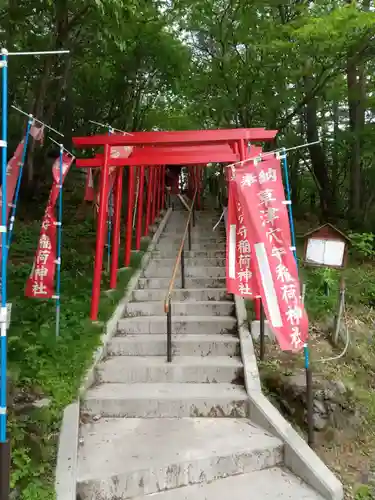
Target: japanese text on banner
{"x": 262, "y": 195}
{"x": 41, "y": 282}
{"x": 239, "y": 272}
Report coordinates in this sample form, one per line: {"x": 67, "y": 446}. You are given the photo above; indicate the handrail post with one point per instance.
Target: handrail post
{"x": 193, "y": 210}
{"x": 169, "y": 332}
{"x": 189, "y": 235}
{"x": 262, "y": 333}
{"x": 183, "y": 267}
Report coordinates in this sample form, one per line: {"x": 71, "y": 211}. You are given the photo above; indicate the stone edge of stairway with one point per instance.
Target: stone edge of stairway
{"x": 298, "y": 456}
{"x": 66, "y": 466}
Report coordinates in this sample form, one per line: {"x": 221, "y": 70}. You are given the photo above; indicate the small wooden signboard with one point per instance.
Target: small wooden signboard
{"x": 326, "y": 246}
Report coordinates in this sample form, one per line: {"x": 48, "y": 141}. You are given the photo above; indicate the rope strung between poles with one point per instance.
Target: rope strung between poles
{"x": 110, "y": 127}
{"x": 260, "y": 156}
{"x": 38, "y": 121}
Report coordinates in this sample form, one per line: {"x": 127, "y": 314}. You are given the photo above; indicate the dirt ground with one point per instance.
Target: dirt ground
{"x": 346, "y": 445}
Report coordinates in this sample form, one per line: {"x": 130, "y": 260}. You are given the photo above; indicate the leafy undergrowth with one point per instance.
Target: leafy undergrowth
{"x": 45, "y": 368}
{"x": 347, "y": 446}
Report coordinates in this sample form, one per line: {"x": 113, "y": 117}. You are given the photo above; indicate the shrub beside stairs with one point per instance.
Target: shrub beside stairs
{"x": 180, "y": 430}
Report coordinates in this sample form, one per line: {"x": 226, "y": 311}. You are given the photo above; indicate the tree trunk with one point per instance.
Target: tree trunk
{"x": 356, "y": 102}
{"x": 318, "y": 157}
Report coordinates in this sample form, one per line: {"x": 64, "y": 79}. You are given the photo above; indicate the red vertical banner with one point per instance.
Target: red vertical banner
{"x": 129, "y": 222}
{"x": 116, "y": 228}
{"x": 150, "y": 180}
{"x": 41, "y": 282}
{"x": 158, "y": 186}
{"x": 140, "y": 208}
{"x": 239, "y": 259}
{"x": 154, "y": 193}
{"x": 67, "y": 161}
{"x": 13, "y": 169}
{"x": 89, "y": 187}
{"x": 261, "y": 193}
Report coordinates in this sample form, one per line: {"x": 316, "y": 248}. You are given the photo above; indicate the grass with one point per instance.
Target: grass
{"x": 349, "y": 447}
{"x": 41, "y": 365}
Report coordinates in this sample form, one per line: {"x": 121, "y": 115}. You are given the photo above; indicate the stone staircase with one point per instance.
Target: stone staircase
{"x": 179, "y": 430}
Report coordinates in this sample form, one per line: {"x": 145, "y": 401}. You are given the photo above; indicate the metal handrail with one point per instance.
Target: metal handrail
{"x": 180, "y": 259}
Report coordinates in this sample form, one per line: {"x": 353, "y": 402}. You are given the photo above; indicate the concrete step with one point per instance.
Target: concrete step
{"x": 127, "y": 458}
{"x": 163, "y": 283}
{"x": 269, "y": 484}
{"x": 182, "y": 345}
{"x": 183, "y": 294}
{"x": 188, "y": 324}
{"x": 167, "y": 400}
{"x": 172, "y": 254}
{"x": 205, "y": 240}
{"x": 199, "y": 246}
{"x": 194, "y": 308}
{"x": 156, "y": 369}
{"x": 197, "y": 261}
{"x": 190, "y": 272}
{"x": 196, "y": 234}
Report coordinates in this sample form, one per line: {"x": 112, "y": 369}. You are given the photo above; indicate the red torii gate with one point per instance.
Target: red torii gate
{"x": 154, "y": 149}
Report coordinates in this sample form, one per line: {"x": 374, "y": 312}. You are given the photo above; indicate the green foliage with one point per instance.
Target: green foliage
{"x": 43, "y": 366}
{"x": 364, "y": 492}
{"x": 318, "y": 281}
{"x": 363, "y": 244}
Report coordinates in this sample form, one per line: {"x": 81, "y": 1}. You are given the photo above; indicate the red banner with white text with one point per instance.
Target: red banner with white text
{"x": 13, "y": 169}
{"x": 261, "y": 193}
{"x": 89, "y": 187}
{"x": 41, "y": 282}
{"x": 240, "y": 267}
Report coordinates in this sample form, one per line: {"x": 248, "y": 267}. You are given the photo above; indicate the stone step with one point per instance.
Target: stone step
{"x": 189, "y": 262}
{"x": 205, "y": 240}
{"x": 188, "y": 325}
{"x": 195, "y": 234}
{"x": 182, "y": 294}
{"x": 167, "y": 400}
{"x": 194, "y": 308}
{"x": 172, "y": 254}
{"x": 269, "y": 484}
{"x": 190, "y": 272}
{"x": 199, "y": 246}
{"x": 182, "y": 345}
{"x": 127, "y": 458}
{"x": 163, "y": 283}
{"x": 156, "y": 369}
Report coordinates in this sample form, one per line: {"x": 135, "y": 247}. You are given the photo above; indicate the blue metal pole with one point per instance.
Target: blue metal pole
{"x": 15, "y": 200}
{"x": 58, "y": 249}
{"x": 309, "y": 391}
{"x": 289, "y": 199}
{"x": 3, "y": 229}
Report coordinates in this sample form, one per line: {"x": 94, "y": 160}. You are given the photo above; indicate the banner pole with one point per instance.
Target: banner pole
{"x": 15, "y": 199}
{"x": 58, "y": 249}
{"x": 4, "y": 442}
{"x": 309, "y": 382}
